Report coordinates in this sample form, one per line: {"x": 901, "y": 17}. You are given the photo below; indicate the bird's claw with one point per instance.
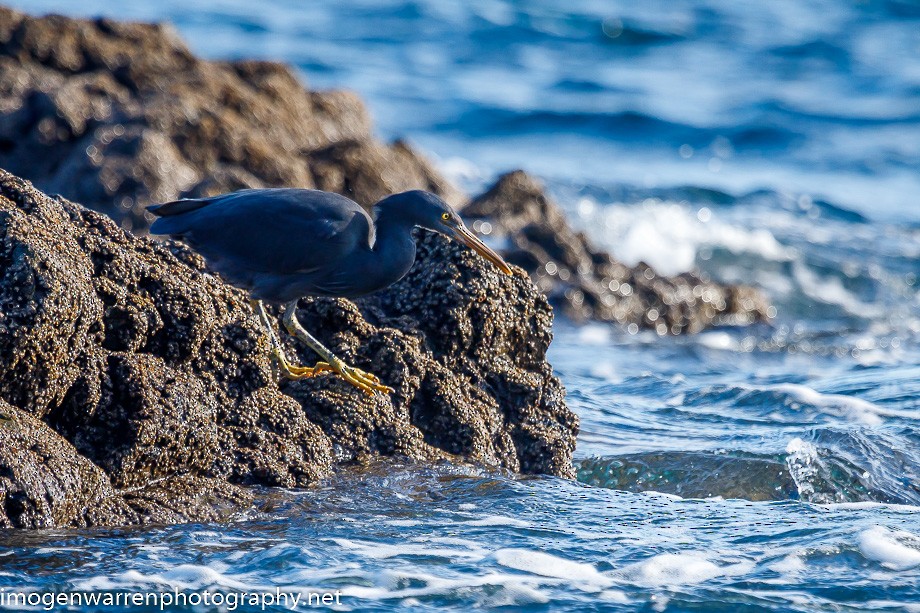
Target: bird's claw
{"x": 364, "y": 381}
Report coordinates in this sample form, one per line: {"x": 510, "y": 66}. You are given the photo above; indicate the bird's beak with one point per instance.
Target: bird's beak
{"x": 462, "y": 234}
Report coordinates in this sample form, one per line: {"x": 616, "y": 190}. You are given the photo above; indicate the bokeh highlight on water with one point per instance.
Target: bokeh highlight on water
{"x": 766, "y": 468}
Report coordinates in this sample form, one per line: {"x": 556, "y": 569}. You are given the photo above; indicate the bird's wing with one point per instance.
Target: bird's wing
{"x": 279, "y": 231}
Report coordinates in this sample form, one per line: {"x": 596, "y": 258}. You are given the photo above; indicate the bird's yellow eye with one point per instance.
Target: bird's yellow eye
{"x": 445, "y": 216}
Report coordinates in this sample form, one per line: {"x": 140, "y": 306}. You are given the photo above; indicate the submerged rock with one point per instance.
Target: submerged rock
{"x": 136, "y": 387}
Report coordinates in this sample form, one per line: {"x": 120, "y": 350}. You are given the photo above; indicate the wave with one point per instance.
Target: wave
{"x": 693, "y": 474}
{"x": 623, "y": 125}
{"x": 789, "y": 403}
{"x": 828, "y": 467}
{"x": 822, "y": 264}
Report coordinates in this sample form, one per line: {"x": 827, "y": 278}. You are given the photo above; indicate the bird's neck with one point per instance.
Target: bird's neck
{"x": 393, "y": 252}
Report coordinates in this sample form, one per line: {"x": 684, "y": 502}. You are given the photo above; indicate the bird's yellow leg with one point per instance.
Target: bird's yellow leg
{"x": 288, "y": 370}
{"x": 364, "y": 381}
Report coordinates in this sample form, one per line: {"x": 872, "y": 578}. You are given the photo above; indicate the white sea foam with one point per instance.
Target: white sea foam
{"x": 48, "y": 550}
{"x": 849, "y": 407}
{"x": 665, "y": 495}
{"x": 548, "y": 565}
{"x": 606, "y": 370}
{"x": 182, "y": 577}
{"x": 892, "y": 605}
{"x": 804, "y": 466}
{"x": 613, "y": 596}
{"x": 830, "y": 290}
{"x": 497, "y": 589}
{"x": 722, "y": 341}
{"x": 646, "y": 242}
{"x": 497, "y": 520}
{"x": 896, "y": 550}
{"x": 489, "y": 589}
{"x": 459, "y": 549}
{"x": 668, "y": 235}
{"x": 791, "y": 564}
{"x": 871, "y": 504}
{"x": 672, "y": 569}
{"x": 406, "y": 523}
{"x": 594, "y": 335}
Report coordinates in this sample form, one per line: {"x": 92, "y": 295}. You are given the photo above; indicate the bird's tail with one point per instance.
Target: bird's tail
{"x": 178, "y": 207}
{"x": 171, "y": 220}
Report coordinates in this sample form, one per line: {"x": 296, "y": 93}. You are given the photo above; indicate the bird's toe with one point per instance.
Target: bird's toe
{"x": 295, "y": 373}
{"x": 364, "y": 381}
{"x": 366, "y": 375}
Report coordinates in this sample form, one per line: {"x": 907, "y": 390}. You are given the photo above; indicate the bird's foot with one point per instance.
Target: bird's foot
{"x": 295, "y": 373}
{"x": 364, "y": 381}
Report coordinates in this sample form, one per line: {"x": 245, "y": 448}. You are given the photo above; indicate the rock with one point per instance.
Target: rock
{"x": 136, "y": 387}
{"x": 589, "y": 284}
{"x": 44, "y": 482}
{"x": 120, "y": 115}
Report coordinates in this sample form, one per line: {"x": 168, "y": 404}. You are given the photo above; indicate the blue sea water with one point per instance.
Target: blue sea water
{"x": 767, "y": 468}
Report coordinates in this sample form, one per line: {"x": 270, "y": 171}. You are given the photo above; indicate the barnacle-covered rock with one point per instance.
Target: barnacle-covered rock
{"x": 137, "y": 387}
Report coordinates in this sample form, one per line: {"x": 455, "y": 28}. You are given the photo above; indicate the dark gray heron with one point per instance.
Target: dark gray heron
{"x": 282, "y": 244}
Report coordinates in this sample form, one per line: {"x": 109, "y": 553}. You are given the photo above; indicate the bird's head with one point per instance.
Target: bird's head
{"x": 426, "y": 210}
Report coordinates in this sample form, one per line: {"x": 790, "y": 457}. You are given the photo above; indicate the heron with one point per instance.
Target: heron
{"x": 282, "y": 244}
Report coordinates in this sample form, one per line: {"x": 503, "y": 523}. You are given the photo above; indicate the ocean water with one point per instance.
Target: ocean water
{"x": 775, "y": 467}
